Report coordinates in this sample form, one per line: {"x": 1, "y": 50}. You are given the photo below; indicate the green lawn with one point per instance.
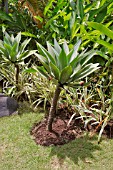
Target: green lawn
{"x": 18, "y": 151}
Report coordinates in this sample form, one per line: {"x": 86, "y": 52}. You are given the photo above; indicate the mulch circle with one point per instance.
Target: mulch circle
{"x": 66, "y": 134}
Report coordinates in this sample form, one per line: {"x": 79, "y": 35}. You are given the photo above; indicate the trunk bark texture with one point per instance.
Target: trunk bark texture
{"x": 52, "y": 111}
{"x": 17, "y": 75}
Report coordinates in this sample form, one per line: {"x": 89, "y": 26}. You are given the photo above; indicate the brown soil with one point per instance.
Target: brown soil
{"x": 66, "y": 133}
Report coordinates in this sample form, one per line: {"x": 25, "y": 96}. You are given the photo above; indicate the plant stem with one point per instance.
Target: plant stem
{"x": 17, "y": 75}
{"x": 52, "y": 111}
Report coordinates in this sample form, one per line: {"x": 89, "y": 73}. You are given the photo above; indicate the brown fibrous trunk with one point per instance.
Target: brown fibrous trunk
{"x": 52, "y": 112}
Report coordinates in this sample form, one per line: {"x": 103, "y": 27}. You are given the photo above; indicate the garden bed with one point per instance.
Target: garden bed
{"x": 65, "y": 133}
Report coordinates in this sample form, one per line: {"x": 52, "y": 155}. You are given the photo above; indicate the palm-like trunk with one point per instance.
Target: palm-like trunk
{"x": 17, "y": 75}
{"x": 52, "y": 111}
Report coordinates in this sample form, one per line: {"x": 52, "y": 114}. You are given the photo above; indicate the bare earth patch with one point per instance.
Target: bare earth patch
{"x": 66, "y": 133}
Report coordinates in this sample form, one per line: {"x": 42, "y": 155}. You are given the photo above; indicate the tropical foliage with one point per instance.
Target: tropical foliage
{"x": 61, "y": 66}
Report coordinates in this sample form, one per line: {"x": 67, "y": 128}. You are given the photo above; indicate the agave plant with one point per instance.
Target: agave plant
{"x": 68, "y": 67}
{"x": 12, "y": 51}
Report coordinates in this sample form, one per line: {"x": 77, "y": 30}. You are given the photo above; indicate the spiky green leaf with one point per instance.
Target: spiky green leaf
{"x": 55, "y": 71}
{"x": 65, "y": 74}
{"x": 87, "y": 56}
{"x": 42, "y": 70}
{"x": 66, "y": 48}
{"x": 85, "y": 71}
{"x": 41, "y": 58}
{"x": 30, "y": 70}
{"x": 45, "y": 53}
{"x": 62, "y": 60}
{"x": 26, "y": 54}
{"x": 75, "y": 52}
{"x": 57, "y": 46}
{"x": 24, "y": 44}
{"x": 50, "y": 49}
{"x": 106, "y": 44}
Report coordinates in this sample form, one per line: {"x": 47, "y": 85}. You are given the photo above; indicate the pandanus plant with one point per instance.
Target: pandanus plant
{"x": 13, "y": 52}
{"x": 68, "y": 67}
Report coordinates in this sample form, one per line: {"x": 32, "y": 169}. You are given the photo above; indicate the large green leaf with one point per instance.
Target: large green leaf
{"x": 50, "y": 49}
{"x": 57, "y": 46}
{"x": 62, "y": 60}
{"x": 30, "y": 70}
{"x": 53, "y": 53}
{"x": 8, "y": 49}
{"x": 25, "y": 54}
{"x": 75, "y": 51}
{"x": 7, "y": 39}
{"x": 84, "y": 72}
{"x": 103, "y": 29}
{"x": 55, "y": 71}
{"x": 4, "y": 16}
{"x": 69, "y": 55}
{"x": 4, "y": 52}
{"x": 47, "y": 67}
{"x": 45, "y": 53}
{"x": 41, "y": 58}
{"x": 106, "y": 44}
{"x": 66, "y": 48}
{"x": 14, "y": 52}
{"x": 18, "y": 38}
{"x": 65, "y": 74}
{"x": 23, "y": 45}
{"x": 86, "y": 57}
{"x": 43, "y": 71}
{"x": 80, "y": 9}
{"x": 28, "y": 34}
{"x": 76, "y": 69}
{"x": 75, "y": 62}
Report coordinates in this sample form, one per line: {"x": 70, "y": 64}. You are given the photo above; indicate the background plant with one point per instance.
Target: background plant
{"x": 93, "y": 107}
{"x": 68, "y": 19}
{"x": 13, "y": 52}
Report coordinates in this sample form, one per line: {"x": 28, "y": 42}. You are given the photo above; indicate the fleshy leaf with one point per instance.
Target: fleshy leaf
{"x": 55, "y": 71}
{"x": 65, "y": 74}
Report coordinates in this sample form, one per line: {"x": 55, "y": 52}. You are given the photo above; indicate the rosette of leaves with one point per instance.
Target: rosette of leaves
{"x": 14, "y": 52}
{"x": 66, "y": 66}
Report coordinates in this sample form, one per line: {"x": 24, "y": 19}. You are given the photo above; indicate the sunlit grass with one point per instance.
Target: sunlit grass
{"x": 18, "y": 151}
